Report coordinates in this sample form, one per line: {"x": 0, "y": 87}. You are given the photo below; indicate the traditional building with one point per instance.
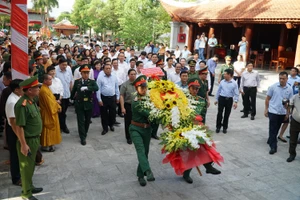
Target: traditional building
{"x": 272, "y": 27}
{"x": 65, "y": 27}
{"x": 35, "y": 17}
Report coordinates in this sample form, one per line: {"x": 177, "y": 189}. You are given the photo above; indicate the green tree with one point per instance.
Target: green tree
{"x": 79, "y": 16}
{"x": 63, "y": 15}
{"x": 44, "y": 6}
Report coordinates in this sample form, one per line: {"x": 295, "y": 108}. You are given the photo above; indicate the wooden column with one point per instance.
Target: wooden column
{"x": 211, "y": 31}
{"x": 297, "y": 56}
{"x": 191, "y": 39}
{"x": 248, "y": 34}
{"x": 282, "y": 40}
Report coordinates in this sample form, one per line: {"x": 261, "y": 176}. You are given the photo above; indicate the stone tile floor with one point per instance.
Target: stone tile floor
{"x": 105, "y": 168}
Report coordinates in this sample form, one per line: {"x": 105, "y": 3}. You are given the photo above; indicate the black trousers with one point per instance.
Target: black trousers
{"x": 127, "y": 119}
{"x": 210, "y": 52}
{"x": 108, "y": 111}
{"x": 13, "y": 155}
{"x": 119, "y": 111}
{"x": 62, "y": 115}
{"x": 294, "y": 134}
{"x": 224, "y": 103}
{"x": 238, "y": 80}
{"x": 249, "y": 100}
{"x": 275, "y": 122}
{"x": 212, "y": 82}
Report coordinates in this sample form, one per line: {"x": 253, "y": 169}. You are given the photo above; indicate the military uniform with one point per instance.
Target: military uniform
{"x": 40, "y": 70}
{"x": 225, "y": 66}
{"x": 29, "y": 118}
{"x": 203, "y": 94}
{"x": 140, "y": 133}
{"x": 79, "y": 58}
{"x": 192, "y": 75}
{"x": 200, "y": 109}
{"x": 82, "y": 94}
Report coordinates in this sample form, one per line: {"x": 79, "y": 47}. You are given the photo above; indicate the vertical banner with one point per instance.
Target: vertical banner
{"x": 19, "y": 40}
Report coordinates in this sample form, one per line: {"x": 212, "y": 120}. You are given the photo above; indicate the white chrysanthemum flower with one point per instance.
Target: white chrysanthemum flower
{"x": 175, "y": 116}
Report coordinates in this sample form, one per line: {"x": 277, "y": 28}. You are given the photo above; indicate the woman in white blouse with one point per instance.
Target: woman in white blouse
{"x": 56, "y": 87}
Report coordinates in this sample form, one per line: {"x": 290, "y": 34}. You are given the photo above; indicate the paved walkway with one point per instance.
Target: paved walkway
{"x": 105, "y": 168}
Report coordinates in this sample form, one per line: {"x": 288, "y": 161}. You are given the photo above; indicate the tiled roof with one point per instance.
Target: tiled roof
{"x": 220, "y": 11}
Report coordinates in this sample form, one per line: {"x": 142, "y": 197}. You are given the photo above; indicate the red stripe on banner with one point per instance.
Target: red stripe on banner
{"x": 19, "y": 19}
{"x": 5, "y": 12}
{"x": 4, "y": 7}
{"x": 19, "y": 63}
{"x": 20, "y": 60}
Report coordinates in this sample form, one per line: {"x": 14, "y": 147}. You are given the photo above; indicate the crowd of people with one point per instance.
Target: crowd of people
{"x": 100, "y": 82}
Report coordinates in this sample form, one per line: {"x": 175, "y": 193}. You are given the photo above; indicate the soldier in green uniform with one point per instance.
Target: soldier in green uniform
{"x": 203, "y": 91}
{"x": 194, "y": 85}
{"x": 227, "y": 65}
{"x": 160, "y": 63}
{"x": 140, "y": 131}
{"x": 82, "y": 94}
{"x": 40, "y": 70}
{"x": 28, "y": 130}
{"x": 192, "y": 72}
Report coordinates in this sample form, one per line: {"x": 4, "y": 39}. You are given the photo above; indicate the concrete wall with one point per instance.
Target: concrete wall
{"x": 175, "y": 30}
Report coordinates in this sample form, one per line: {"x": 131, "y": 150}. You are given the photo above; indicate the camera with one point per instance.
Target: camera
{"x": 285, "y": 101}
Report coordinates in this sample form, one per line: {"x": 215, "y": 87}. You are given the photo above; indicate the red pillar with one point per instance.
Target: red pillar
{"x": 282, "y": 40}
{"x": 191, "y": 39}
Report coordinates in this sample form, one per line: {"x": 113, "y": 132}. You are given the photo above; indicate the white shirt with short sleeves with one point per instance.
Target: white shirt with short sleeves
{"x": 9, "y": 106}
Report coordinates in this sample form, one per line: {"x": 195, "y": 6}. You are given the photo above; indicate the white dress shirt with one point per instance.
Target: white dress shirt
{"x": 56, "y": 87}
{"x": 77, "y": 74}
{"x": 66, "y": 79}
{"x": 174, "y": 77}
{"x": 120, "y": 74}
{"x": 149, "y": 65}
{"x": 9, "y": 106}
{"x": 169, "y": 70}
{"x": 108, "y": 86}
{"x": 249, "y": 79}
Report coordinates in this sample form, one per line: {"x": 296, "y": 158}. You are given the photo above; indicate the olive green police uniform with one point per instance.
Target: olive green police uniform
{"x": 203, "y": 94}
{"x": 28, "y": 116}
{"x": 225, "y": 66}
{"x": 83, "y": 101}
{"x": 192, "y": 75}
{"x": 140, "y": 133}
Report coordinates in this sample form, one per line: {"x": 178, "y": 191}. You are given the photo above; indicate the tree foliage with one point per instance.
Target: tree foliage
{"x": 134, "y": 22}
{"x": 63, "y": 15}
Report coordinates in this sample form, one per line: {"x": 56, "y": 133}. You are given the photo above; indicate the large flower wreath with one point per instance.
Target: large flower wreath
{"x": 186, "y": 142}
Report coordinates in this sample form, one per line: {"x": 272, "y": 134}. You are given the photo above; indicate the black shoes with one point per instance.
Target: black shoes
{"x": 142, "y": 182}
{"x": 155, "y": 137}
{"x": 29, "y": 198}
{"x": 129, "y": 141}
{"x": 36, "y": 190}
{"x": 252, "y": 117}
{"x": 117, "y": 123}
{"x": 121, "y": 115}
{"x": 211, "y": 95}
{"x": 104, "y": 132}
{"x": 244, "y": 116}
{"x": 150, "y": 176}
{"x": 291, "y": 158}
{"x": 224, "y": 131}
{"x": 188, "y": 179}
{"x": 211, "y": 170}
{"x": 272, "y": 151}
{"x": 242, "y": 110}
{"x": 83, "y": 142}
{"x": 66, "y": 130}
{"x": 112, "y": 128}
{"x": 282, "y": 140}
{"x": 217, "y": 130}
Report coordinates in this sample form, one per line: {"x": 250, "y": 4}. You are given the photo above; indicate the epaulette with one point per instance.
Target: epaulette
{"x": 24, "y": 103}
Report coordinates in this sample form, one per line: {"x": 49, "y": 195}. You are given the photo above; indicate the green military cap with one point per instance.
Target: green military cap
{"x": 203, "y": 70}
{"x": 227, "y": 57}
{"x": 140, "y": 81}
{"x": 30, "y": 82}
{"x": 193, "y": 82}
{"x": 84, "y": 68}
{"x": 192, "y": 63}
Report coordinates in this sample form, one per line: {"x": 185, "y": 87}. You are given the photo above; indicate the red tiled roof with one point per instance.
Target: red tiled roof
{"x": 220, "y": 11}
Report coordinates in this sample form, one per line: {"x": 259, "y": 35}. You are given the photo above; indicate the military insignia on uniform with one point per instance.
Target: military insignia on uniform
{"x": 142, "y": 79}
{"x": 135, "y": 99}
{"x": 24, "y": 102}
{"x": 196, "y": 81}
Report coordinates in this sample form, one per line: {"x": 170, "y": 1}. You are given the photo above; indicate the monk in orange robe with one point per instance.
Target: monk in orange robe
{"x": 49, "y": 111}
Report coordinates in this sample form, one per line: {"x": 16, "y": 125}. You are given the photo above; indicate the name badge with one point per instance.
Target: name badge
{"x": 85, "y": 99}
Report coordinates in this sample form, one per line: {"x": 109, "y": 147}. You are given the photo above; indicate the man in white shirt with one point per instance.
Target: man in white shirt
{"x": 99, "y": 54}
{"x": 127, "y": 52}
{"x": 77, "y": 74}
{"x": 153, "y": 62}
{"x": 169, "y": 68}
{"x": 197, "y": 43}
{"x": 185, "y": 53}
{"x": 139, "y": 66}
{"x": 212, "y": 43}
{"x": 148, "y": 48}
{"x": 112, "y": 54}
{"x": 175, "y": 76}
{"x": 56, "y": 87}
{"x": 143, "y": 57}
{"x": 122, "y": 64}
{"x": 10, "y": 128}
{"x": 202, "y": 44}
